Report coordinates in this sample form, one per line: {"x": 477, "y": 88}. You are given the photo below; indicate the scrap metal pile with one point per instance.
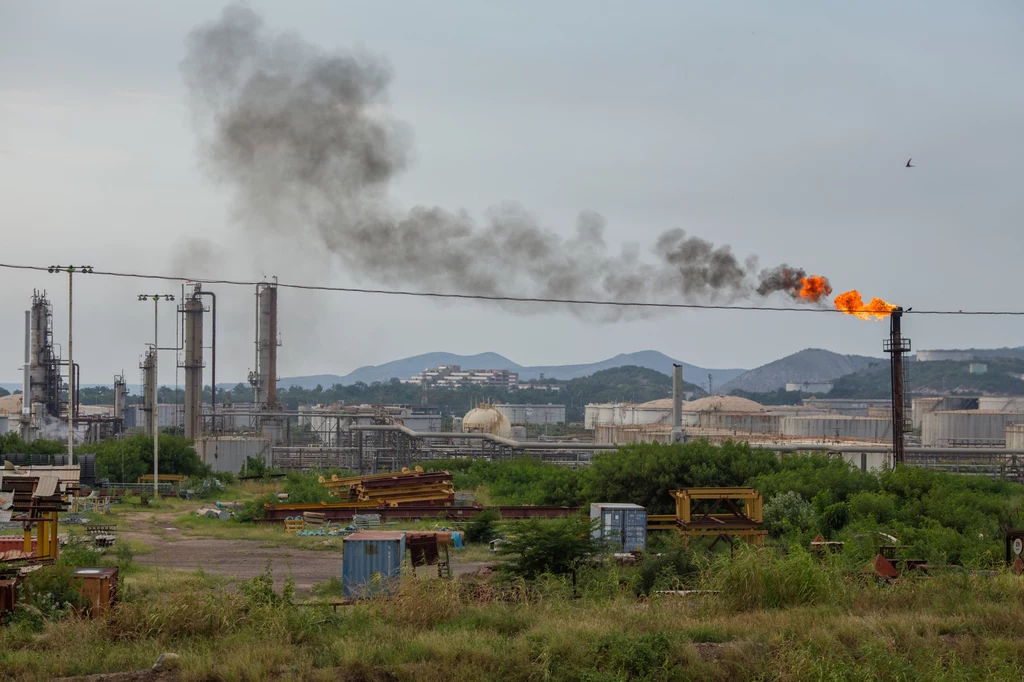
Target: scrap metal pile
{"x": 395, "y": 489}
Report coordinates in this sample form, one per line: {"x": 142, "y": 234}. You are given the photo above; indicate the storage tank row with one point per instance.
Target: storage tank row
{"x": 968, "y": 428}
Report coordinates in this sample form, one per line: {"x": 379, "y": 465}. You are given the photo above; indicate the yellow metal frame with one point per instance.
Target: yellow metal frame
{"x": 753, "y": 502}
{"x": 753, "y": 509}
{"x": 47, "y": 544}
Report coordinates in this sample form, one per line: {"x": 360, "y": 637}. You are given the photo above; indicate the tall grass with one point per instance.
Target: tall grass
{"x": 803, "y": 620}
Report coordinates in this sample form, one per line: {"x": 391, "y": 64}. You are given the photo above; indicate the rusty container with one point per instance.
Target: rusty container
{"x": 98, "y": 586}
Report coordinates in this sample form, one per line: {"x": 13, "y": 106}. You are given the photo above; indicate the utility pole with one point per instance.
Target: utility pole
{"x": 711, "y": 386}
{"x": 70, "y": 269}
{"x": 156, "y": 388}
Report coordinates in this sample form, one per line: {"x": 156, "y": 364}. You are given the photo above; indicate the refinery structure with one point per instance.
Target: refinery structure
{"x": 983, "y": 432}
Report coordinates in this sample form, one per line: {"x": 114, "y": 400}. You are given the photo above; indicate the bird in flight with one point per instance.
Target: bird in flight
{"x": 908, "y": 163}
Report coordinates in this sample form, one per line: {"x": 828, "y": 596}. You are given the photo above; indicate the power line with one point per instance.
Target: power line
{"x": 515, "y": 299}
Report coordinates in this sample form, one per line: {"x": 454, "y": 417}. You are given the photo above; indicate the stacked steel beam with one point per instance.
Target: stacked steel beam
{"x": 394, "y": 489}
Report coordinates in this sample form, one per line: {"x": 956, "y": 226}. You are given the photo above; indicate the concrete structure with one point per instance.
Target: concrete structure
{"x": 966, "y": 428}
{"x": 977, "y": 368}
{"x": 836, "y": 427}
{"x": 192, "y": 311}
{"x": 229, "y": 453}
{"x": 810, "y": 387}
{"x": 944, "y": 356}
{"x": 532, "y": 414}
{"x": 5, "y": 423}
{"x": 486, "y": 419}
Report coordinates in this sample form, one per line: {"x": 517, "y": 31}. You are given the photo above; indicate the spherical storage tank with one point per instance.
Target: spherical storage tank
{"x": 486, "y": 419}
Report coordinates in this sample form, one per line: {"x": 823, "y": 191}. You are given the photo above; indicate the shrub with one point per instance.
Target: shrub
{"x": 558, "y": 547}
{"x": 786, "y": 512}
{"x": 833, "y": 519}
{"x": 482, "y": 527}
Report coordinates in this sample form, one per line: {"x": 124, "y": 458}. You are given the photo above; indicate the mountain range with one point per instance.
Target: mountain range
{"x": 808, "y": 365}
{"x": 409, "y": 367}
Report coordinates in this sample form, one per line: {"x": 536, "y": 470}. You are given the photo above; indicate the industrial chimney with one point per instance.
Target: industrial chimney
{"x": 192, "y": 311}
{"x": 677, "y": 404}
{"x": 264, "y": 380}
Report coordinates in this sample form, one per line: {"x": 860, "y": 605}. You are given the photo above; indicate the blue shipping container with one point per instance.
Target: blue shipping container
{"x": 371, "y": 561}
{"x": 623, "y": 526}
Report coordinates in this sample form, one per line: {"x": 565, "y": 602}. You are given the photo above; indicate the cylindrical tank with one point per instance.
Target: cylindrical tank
{"x": 742, "y": 422}
{"x": 837, "y": 426}
{"x": 966, "y": 428}
{"x": 1015, "y": 436}
{"x": 486, "y": 419}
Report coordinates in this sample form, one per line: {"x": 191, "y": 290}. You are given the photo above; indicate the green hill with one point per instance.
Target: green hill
{"x": 938, "y": 378}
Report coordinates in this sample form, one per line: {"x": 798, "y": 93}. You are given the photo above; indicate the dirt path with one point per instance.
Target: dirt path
{"x": 241, "y": 559}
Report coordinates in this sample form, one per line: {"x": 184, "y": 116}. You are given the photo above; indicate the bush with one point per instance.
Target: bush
{"x": 670, "y": 571}
{"x": 558, "y": 547}
{"x": 833, "y": 519}
{"x": 787, "y": 512}
{"x": 482, "y": 527}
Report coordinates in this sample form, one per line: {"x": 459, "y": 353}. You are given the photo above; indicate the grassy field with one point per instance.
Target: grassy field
{"x": 823, "y": 625}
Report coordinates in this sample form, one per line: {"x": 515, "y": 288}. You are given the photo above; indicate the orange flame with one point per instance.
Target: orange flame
{"x": 814, "y": 288}
{"x": 852, "y": 304}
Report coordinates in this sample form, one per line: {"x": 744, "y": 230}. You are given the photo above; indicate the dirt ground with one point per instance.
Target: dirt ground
{"x": 243, "y": 559}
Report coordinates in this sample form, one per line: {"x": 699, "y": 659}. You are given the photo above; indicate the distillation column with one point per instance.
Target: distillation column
{"x": 148, "y": 367}
{"x": 192, "y": 310}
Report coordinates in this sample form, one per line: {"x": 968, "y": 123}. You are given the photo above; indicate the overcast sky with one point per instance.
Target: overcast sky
{"x": 779, "y": 128}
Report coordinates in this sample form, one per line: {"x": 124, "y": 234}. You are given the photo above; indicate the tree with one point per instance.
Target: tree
{"x": 558, "y": 547}
{"x": 126, "y": 459}
{"x": 4, "y": 392}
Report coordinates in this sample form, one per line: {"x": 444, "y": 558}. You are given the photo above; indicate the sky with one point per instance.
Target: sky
{"x": 781, "y": 129}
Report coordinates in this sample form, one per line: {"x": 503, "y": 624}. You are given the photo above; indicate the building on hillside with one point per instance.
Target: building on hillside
{"x": 810, "y": 387}
{"x": 453, "y": 376}
{"x": 532, "y": 414}
{"x": 944, "y": 356}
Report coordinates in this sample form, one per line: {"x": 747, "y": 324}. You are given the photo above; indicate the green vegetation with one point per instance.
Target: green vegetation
{"x": 126, "y": 459}
{"x": 558, "y": 547}
{"x": 943, "y": 518}
{"x": 936, "y": 378}
{"x": 12, "y": 442}
{"x": 776, "y": 616}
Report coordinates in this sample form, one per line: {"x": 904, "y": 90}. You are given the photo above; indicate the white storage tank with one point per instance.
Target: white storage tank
{"x": 1015, "y": 435}
{"x": 623, "y": 526}
{"x": 966, "y": 428}
{"x": 837, "y": 426}
{"x": 740, "y": 422}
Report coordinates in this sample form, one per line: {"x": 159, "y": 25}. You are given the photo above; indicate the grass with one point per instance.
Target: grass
{"x": 953, "y": 626}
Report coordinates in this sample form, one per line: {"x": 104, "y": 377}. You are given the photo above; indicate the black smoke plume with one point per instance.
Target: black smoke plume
{"x": 304, "y": 139}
